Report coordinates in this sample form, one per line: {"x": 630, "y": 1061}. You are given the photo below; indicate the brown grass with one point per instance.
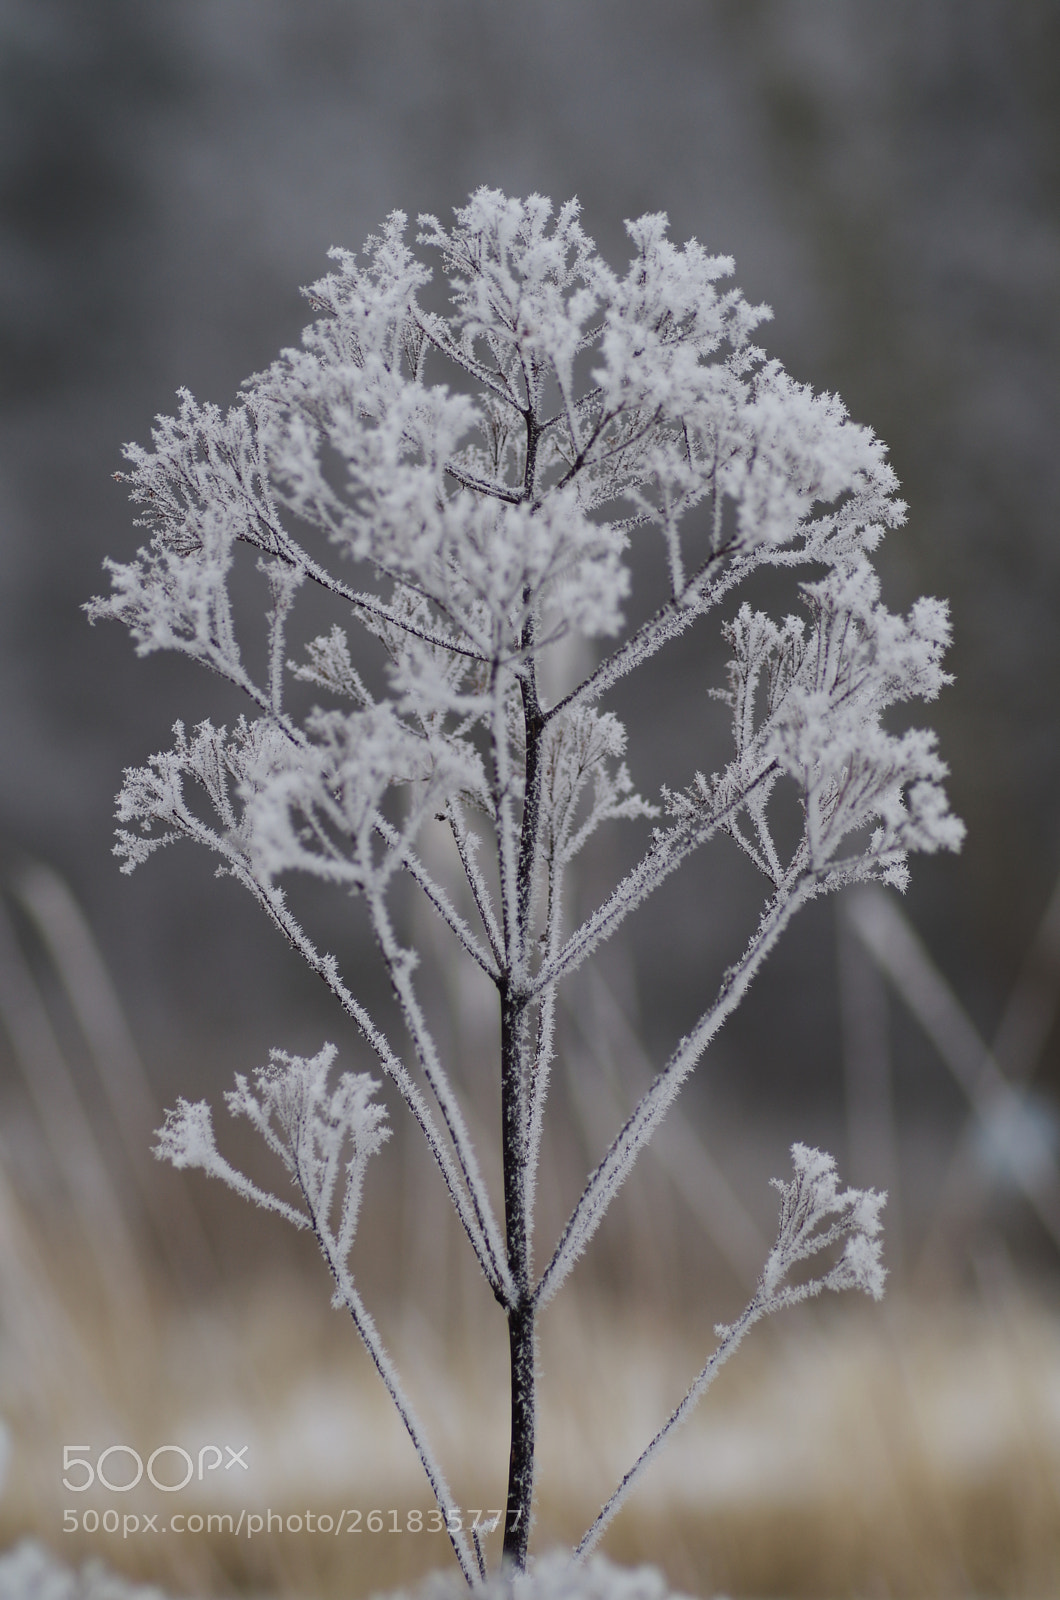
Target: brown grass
{"x": 907, "y": 1451}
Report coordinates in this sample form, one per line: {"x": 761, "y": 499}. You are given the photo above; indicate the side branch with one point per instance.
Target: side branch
{"x": 477, "y": 1218}
{"x": 732, "y": 1339}
{"x": 438, "y": 897}
{"x": 495, "y": 491}
{"x": 465, "y": 845}
{"x": 666, "y": 854}
{"x": 286, "y": 549}
{"x": 657, "y": 1099}
{"x": 428, "y": 326}
{"x": 507, "y": 828}
{"x": 399, "y": 964}
{"x": 671, "y": 620}
{"x": 815, "y": 1216}
{"x": 346, "y": 1295}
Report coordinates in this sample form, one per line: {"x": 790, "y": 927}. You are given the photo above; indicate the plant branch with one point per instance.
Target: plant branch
{"x": 476, "y": 882}
{"x": 668, "y": 622}
{"x": 346, "y": 1294}
{"x": 471, "y": 1215}
{"x": 669, "y": 850}
{"x": 399, "y": 964}
{"x": 437, "y": 897}
{"x": 657, "y": 1099}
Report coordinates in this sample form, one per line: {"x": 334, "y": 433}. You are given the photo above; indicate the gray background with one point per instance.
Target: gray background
{"x": 888, "y": 179}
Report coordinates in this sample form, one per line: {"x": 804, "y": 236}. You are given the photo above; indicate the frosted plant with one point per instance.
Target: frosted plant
{"x": 815, "y": 1214}
{"x": 463, "y": 533}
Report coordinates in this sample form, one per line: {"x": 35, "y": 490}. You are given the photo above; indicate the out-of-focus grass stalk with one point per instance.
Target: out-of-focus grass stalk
{"x": 872, "y": 1135}
{"x": 1032, "y": 1005}
{"x": 80, "y": 1167}
{"x": 83, "y": 973}
{"x": 995, "y": 1102}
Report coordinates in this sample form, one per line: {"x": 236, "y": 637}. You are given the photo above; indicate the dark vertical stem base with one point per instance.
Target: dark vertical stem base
{"x": 521, "y": 1459}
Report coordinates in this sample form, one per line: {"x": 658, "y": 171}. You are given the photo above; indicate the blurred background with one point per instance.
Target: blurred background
{"x": 888, "y": 180}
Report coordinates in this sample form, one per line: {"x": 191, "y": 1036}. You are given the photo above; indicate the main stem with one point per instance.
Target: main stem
{"x": 521, "y": 1458}
{"x": 515, "y": 1071}
{"x": 521, "y": 1309}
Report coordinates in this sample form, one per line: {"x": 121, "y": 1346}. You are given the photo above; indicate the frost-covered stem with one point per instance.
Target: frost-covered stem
{"x": 476, "y": 882}
{"x": 272, "y": 902}
{"x": 399, "y": 965}
{"x": 521, "y": 1310}
{"x": 533, "y": 437}
{"x": 522, "y": 1341}
{"x": 668, "y": 852}
{"x": 515, "y": 1118}
{"x": 534, "y": 725}
{"x": 284, "y": 582}
{"x": 363, "y": 1322}
{"x": 657, "y": 1099}
{"x": 431, "y": 328}
{"x": 668, "y": 623}
{"x": 507, "y": 848}
{"x": 546, "y": 1023}
{"x": 436, "y": 895}
{"x": 496, "y": 491}
{"x": 732, "y": 1338}
{"x": 539, "y": 1081}
{"x": 516, "y": 1122}
{"x": 664, "y": 857}
{"x": 369, "y": 604}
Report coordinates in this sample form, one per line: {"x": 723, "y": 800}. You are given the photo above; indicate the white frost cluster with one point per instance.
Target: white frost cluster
{"x": 807, "y": 703}
{"x": 604, "y": 409}
{"x": 815, "y": 1216}
{"x": 324, "y": 1137}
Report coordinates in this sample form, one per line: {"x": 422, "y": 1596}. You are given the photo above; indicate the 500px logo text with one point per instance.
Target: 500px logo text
{"x": 166, "y": 1462}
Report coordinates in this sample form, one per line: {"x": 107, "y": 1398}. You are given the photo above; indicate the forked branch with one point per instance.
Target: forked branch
{"x": 815, "y": 1215}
